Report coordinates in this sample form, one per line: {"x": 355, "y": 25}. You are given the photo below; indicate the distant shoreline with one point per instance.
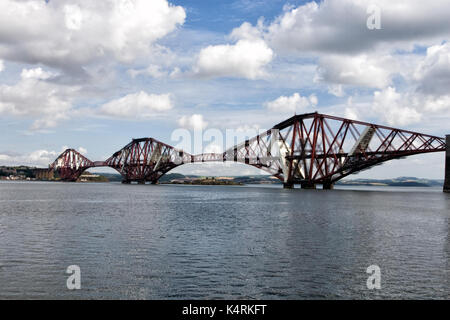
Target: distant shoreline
{"x": 25, "y": 173}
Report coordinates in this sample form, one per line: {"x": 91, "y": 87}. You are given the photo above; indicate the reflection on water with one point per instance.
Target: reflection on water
{"x": 172, "y": 242}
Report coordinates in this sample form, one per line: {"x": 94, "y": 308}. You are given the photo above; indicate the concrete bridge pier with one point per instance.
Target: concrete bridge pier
{"x": 288, "y": 185}
{"x": 447, "y": 164}
{"x": 328, "y": 186}
{"x": 308, "y": 185}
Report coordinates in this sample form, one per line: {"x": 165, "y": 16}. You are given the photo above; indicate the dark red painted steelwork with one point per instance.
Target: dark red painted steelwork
{"x": 146, "y": 159}
{"x": 70, "y": 165}
{"x": 326, "y": 148}
{"x": 307, "y": 149}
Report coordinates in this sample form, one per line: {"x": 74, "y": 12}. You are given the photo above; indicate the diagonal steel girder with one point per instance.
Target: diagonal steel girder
{"x": 308, "y": 149}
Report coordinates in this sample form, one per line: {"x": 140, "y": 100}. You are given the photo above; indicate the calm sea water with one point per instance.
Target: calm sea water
{"x": 215, "y": 242}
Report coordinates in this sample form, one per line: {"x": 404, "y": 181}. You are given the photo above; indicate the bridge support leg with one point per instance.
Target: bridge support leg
{"x": 447, "y": 165}
{"x": 154, "y": 182}
{"x": 126, "y": 181}
{"x": 288, "y": 185}
{"x": 328, "y": 186}
{"x": 308, "y": 185}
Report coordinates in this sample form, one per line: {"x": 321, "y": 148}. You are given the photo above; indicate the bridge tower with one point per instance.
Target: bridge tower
{"x": 447, "y": 164}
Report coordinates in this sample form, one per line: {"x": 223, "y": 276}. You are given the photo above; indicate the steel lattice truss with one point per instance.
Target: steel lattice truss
{"x": 70, "y": 165}
{"x": 317, "y": 148}
{"x": 323, "y": 149}
{"x": 308, "y": 149}
{"x": 146, "y": 159}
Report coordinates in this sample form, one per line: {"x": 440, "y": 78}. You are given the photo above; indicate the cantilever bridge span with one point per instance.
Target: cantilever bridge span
{"x": 305, "y": 149}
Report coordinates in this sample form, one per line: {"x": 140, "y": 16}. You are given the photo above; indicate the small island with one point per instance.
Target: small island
{"x": 205, "y": 181}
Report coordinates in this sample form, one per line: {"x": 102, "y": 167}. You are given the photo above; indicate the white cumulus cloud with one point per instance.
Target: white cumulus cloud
{"x": 244, "y": 59}
{"x": 360, "y": 70}
{"x": 36, "y": 98}
{"x": 82, "y": 150}
{"x": 37, "y": 158}
{"x": 194, "y": 121}
{"x": 291, "y": 104}
{"x": 341, "y": 26}
{"x": 393, "y": 107}
{"x": 433, "y": 72}
{"x": 137, "y": 105}
{"x": 70, "y": 34}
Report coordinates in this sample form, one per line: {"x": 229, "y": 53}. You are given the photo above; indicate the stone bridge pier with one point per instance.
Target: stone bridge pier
{"x": 447, "y": 164}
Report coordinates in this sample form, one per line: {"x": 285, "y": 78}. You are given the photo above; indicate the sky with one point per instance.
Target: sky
{"x": 92, "y": 75}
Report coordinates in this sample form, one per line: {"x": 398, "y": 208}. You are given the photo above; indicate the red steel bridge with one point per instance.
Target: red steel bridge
{"x": 305, "y": 149}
